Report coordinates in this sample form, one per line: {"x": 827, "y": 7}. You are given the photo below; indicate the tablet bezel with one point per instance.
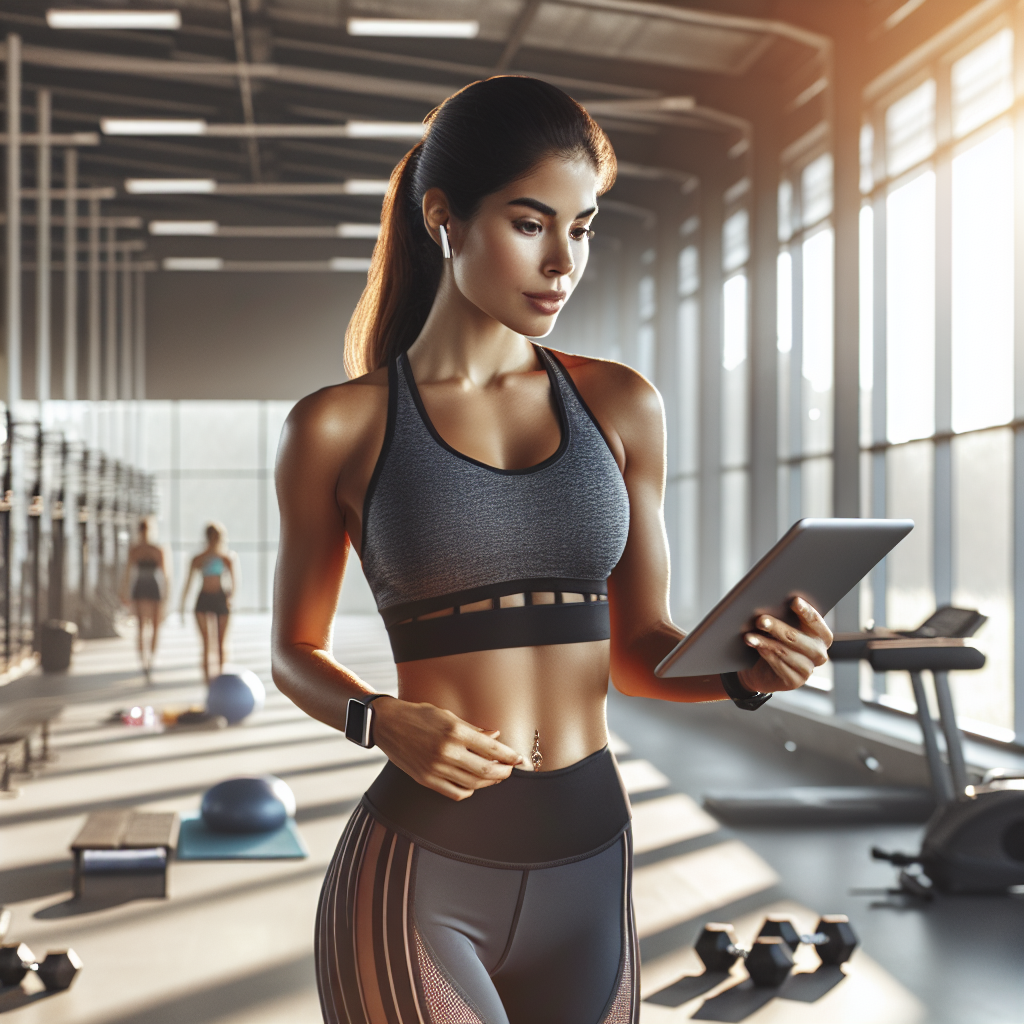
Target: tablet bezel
{"x": 715, "y": 644}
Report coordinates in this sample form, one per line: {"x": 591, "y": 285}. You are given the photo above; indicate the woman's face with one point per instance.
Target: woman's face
{"x": 521, "y": 255}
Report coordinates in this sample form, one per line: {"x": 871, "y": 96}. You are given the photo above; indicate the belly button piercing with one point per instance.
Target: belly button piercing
{"x": 536, "y": 756}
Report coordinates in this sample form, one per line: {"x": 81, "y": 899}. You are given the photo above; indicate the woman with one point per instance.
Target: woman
{"x": 148, "y": 591}
{"x": 506, "y": 503}
{"x": 213, "y": 605}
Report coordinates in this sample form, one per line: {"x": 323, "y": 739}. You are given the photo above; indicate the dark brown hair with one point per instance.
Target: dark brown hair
{"x": 478, "y": 141}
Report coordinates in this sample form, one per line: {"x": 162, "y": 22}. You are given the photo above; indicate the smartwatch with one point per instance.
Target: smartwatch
{"x": 359, "y": 719}
{"x": 748, "y": 700}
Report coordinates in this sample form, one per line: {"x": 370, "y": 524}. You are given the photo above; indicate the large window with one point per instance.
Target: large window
{"x": 937, "y": 367}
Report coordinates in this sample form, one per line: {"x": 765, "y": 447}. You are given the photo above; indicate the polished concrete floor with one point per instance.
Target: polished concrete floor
{"x": 233, "y": 943}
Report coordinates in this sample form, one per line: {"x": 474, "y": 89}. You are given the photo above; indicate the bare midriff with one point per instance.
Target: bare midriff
{"x": 558, "y": 691}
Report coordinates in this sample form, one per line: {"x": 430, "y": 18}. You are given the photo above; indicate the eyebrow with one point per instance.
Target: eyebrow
{"x": 536, "y": 204}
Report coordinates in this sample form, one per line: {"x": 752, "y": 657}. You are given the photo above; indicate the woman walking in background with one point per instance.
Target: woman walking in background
{"x": 214, "y": 602}
{"x": 148, "y": 591}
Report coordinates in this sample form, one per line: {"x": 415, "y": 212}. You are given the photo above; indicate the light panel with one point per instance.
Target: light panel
{"x": 358, "y": 230}
{"x": 161, "y": 20}
{"x": 413, "y": 28}
{"x": 152, "y": 126}
{"x": 366, "y": 186}
{"x": 169, "y": 186}
{"x": 183, "y": 227}
{"x": 193, "y": 263}
{"x": 350, "y": 264}
{"x": 385, "y": 129}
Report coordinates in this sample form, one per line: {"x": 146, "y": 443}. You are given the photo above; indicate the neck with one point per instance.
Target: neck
{"x": 460, "y": 341}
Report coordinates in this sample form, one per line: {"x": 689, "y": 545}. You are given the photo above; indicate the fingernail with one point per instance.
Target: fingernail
{"x": 766, "y": 623}
{"x": 754, "y": 641}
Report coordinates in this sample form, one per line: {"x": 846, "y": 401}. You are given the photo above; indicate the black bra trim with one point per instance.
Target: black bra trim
{"x": 563, "y": 421}
{"x": 389, "y": 433}
{"x": 536, "y": 625}
{"x": 539, "y": 585}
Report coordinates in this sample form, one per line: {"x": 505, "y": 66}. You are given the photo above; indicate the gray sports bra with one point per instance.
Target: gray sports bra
{"x": 446, "y": 537}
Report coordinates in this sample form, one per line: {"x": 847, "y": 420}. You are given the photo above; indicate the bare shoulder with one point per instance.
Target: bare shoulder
{"x": 337, "y": 420}
{"x": 627, "y": 406}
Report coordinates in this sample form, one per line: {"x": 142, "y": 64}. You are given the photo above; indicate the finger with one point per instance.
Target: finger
{"x": 812, "y": 618}
{"x": 446, "y": 788}
{"x": 480, "y": 767}
{"x": 811, "y": 646}
{"x": 781, "y": 676}
{"x": 487, "y": 747}
{"x": 778, "y": 654}
{"x": 459, "y": 776}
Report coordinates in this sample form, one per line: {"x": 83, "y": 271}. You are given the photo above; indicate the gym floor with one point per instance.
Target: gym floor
{"x": 233, "y": 943}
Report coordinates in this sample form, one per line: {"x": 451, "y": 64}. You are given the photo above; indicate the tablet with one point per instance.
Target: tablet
{"x": 820, "y": 560}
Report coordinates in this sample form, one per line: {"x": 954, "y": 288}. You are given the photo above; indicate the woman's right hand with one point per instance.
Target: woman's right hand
{"x": 438, "y": 749}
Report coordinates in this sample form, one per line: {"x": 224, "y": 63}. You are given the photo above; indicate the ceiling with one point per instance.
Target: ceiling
{"x": 650, "y": 71}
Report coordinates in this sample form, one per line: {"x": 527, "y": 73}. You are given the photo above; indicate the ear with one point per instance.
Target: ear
{"x": 435, "y": 213}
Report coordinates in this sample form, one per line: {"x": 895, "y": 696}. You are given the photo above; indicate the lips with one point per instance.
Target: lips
{"x": 546, "y": 303}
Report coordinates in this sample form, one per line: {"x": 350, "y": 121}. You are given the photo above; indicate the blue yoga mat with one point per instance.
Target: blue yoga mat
{"x": 197, "y": 842}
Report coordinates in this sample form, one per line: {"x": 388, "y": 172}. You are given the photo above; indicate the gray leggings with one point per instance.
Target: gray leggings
{"x": 406, "y": 935}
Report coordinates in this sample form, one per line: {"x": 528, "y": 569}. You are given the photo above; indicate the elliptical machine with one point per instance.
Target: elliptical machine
{"x": 974, "y": 841}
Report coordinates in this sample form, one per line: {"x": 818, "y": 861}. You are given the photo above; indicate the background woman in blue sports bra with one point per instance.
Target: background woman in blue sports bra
{"x": 506, "y": 503}
{"x": 213, "y": 604}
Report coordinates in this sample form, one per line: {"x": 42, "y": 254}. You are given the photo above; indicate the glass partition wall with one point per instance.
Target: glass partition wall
{"x": 937, "y": 358}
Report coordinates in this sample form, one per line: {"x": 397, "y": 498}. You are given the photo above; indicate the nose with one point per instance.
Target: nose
{"x": 560, "y": 262}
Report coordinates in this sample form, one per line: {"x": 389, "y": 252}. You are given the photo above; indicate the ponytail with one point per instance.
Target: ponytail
{"x": 479, "y": 140}
{"x": 402, "y": 281}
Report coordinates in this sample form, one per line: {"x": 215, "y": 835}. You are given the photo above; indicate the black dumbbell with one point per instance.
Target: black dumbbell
{"x": 56, "y": 972}
{"x": 768, "y": 962}
{"x": 834, "y": 939}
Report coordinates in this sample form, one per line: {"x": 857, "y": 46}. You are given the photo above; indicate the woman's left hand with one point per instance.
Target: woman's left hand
{"x": 788, "y": 654}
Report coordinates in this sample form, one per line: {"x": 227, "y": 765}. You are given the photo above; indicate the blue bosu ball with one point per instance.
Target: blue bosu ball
{"x": 235, "y": 695}
{"x": 248, "y": 805}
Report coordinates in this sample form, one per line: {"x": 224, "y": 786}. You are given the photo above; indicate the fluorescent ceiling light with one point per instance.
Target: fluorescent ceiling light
{"x": 152, "y": 126}
{"x": 413, "y": 27}
{"x": 183, "y": 227}
{"x": 366, "y": 186}
{"x": 193, "y": 263}
{"x": 358, "y": 230}
{"x": 350, "y": 264}
{"x": 385, "y": 129}
{"x": 168, "y": 186}
{"x": 114, "y": 19}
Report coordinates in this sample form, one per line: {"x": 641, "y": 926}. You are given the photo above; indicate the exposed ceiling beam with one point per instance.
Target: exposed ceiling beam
{"x": 519, "y": 29}
{"x": 245, "y": 86}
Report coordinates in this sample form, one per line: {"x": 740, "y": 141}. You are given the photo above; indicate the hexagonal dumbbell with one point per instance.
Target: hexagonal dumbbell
{"x": 56, "y": 972}
{"x": 769, "y": 961}
{"x": 59, "y": 969}
{"x": 834, "y": 939}
{"x": 717, "y": 947}
{"x": 16, "y": 960}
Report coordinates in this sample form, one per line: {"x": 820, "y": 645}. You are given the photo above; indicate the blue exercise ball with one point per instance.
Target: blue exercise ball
{"x": 235, "y": 694}
{"x": 248, "y": 805}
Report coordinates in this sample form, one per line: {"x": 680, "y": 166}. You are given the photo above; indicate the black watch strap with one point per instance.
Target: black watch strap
{"x": 748, "y": 700}
{"x": 359, "y": 728}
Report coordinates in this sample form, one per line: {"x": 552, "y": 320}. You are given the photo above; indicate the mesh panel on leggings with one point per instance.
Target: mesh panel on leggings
{"x": 444, "y": 1004}
{"x": 621, "y": 1010}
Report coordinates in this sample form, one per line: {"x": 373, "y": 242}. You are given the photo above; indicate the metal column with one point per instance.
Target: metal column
{"x": 70, "y": 275}
{"x": 139, "y": 362}
{"x": 43, "y": 211}
{"x": 127, "y": 323}
{"x": 110, "y": 353}
{"x": 13, "y": 220}
{"x": 94, "y": 300}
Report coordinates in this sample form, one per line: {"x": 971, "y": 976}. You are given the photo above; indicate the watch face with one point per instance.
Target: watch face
{"x": 357, "y": 722}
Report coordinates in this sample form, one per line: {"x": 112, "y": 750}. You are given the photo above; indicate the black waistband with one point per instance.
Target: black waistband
{"x": 528, "y": 626}
{"x": 531, "y": 820}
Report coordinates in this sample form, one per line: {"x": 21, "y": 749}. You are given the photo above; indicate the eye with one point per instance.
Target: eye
{"x": 528, "y": 227}
{"x": 578, "y": 234}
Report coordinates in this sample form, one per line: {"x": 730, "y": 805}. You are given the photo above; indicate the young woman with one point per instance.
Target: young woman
{"x": 506, "y": 503}
{"x": 148, "y": 591}
{"x": 213, "y": 605}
